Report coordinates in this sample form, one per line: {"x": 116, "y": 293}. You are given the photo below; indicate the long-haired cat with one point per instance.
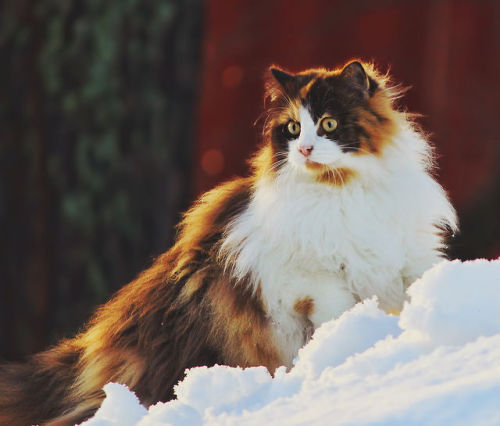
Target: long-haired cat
{"x": 339, "y": 206}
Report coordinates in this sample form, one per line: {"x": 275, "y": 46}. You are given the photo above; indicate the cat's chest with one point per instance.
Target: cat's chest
{"x": 309, "y": 227}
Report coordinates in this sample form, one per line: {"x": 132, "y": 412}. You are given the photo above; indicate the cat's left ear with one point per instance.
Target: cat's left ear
{"x": 355, "y": 74}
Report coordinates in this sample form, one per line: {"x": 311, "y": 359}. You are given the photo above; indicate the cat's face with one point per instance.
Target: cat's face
{"x": 321, "y": 122}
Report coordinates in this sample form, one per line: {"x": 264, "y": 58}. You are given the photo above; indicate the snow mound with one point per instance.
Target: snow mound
{"x": 438, "y": 363}
{"x": 121, "y": 407}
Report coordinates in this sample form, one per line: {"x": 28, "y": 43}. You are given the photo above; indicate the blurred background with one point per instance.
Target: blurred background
{"x": 116, "y": 114}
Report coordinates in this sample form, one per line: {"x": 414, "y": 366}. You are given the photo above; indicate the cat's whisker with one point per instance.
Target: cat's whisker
{"x": 276, "y": 166}
{"x": 278, "y": 163}
{"x": 278, "y": 108}
{"x": 340, "y": 176}
{"x": 261, "y": 116}
{"x": 289, "y": 102}
{"x": 332, "y": 173}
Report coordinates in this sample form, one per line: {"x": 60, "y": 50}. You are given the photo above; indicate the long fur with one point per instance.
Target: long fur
{"x": 260, "y": 262}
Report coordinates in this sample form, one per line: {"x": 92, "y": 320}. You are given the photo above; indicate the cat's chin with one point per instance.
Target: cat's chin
{"x": 316, "y": 166}
{"x": 333, "y": 174}
{"x": 310, "y": 167}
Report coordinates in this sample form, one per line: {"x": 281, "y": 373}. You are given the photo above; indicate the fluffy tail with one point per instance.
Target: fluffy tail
{"x": 38, "y": 391}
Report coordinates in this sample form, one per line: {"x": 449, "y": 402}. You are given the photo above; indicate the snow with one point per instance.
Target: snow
{"x": 438, "y": 363}
{"x": 121, "y": 407}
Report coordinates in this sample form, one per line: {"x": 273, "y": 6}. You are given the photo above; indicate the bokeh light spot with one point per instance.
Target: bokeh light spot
{"x": 232, "y": 76}
{"x": 212, "y": 162}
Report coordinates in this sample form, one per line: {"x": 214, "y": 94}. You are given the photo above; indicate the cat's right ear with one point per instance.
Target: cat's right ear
{"x": 282, "y": 77}
{"x": 280, "y": 84}
{"x": 287, "y": 83}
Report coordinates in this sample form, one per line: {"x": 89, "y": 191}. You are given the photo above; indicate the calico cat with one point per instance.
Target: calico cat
{"x": 340, "y": 206}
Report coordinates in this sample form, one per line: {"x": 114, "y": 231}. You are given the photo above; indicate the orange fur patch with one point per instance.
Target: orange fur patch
{"x": 304, "y": 90}
{"x": 313, "y": 165}
{"x": 241, "y": 327}
{"x": 304, "y": 306}
{"x": 380, "y": 124}
{"x": 335, "y": 177}
{"x": 200, "y": 222}
{"x": 262, "y": 162}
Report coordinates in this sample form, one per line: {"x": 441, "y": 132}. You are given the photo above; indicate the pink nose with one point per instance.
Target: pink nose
{"x": 306, "y": 150}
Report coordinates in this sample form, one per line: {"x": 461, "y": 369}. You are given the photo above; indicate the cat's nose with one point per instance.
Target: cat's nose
{"x": 305, "y": 150}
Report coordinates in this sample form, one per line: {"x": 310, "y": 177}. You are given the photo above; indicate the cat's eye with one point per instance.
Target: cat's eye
{"x": 329, "y": 124}
{"x": 293, "y": 128}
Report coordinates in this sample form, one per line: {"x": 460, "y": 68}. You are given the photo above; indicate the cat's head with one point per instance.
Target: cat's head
{"x": 323, "y": 122}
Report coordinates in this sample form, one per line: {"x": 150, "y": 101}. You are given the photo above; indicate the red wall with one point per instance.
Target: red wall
{"x": 447, "y": 51}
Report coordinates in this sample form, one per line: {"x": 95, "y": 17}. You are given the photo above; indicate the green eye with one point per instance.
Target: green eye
{"x": 293, "y": 128}
{"x": 329, "y": 124}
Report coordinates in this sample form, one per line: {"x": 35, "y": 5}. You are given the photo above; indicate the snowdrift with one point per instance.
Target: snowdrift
{"x": 437, "y": 363}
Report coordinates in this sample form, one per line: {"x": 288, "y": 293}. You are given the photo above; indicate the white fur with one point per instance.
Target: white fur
{"x": 338, "y": 244}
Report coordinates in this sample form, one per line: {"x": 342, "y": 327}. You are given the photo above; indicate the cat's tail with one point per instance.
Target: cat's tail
{"x": 42, "y": 391}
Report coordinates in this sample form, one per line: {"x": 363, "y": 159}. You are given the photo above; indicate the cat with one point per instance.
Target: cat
{"x": 340, "y": 206}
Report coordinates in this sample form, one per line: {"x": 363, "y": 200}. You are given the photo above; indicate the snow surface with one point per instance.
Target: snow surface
{"x": 438, "y": 363}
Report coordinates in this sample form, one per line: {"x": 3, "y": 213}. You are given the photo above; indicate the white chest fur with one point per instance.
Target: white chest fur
{"x": 336, "y": 245}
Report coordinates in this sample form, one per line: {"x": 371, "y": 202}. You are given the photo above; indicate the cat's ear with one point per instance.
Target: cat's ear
{"x": 282, "y": 82}
{"x": 288, "y": 82}
{"x": 356, "y": 76}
